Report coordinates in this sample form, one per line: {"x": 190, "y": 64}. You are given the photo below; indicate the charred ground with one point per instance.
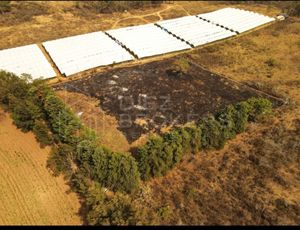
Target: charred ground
{"x": 152, "y": 96}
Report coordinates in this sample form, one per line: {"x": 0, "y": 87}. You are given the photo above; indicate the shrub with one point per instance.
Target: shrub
{"x": 186, "y": 139}
{"x": 164, "y": 212}
{"x": 259, "y": 107}
{"x": 294, "y": 9}
{"x": 242, "y": 109}
{"x": 211, "y": 133}
{"x": 4, "y": 6}
{"x": 181, "y": 65}
{"x": 42, "y": 133}
{"x": 271, "y": 62}
{"x": 118, "y": 6}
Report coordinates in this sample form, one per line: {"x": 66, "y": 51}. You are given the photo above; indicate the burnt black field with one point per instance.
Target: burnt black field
{"x": 157, "y": 95}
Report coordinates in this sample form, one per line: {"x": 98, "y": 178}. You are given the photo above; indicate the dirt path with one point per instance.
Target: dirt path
{"x": 141, "y": 17}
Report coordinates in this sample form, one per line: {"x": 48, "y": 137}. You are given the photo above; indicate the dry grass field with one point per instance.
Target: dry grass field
{"x": 30, "y": 195}
{"x": 36, "y": 21}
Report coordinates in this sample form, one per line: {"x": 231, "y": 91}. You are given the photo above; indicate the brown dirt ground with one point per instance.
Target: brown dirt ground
{"x": 30, "y": 195}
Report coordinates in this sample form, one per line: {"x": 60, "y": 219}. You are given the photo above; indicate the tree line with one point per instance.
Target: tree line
{"x": 161, "y": 153}
{"x": 92, "y": 169}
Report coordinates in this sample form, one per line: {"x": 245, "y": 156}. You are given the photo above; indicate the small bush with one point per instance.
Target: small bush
{"x": 179, "y": 67}
{"x": 259, "y": 107}
{"x": 186, "y": 139}
{"x": 195, "y": 134}
{"x": 294, "y": 9}
{"x": 271, "y": 62}
{"x": 5, "y": 6}
{"x": 164, "y": 212}
{"x": 118, "y": 6}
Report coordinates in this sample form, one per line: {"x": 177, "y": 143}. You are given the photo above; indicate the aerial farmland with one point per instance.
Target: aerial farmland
{"x": 149, "y": 113}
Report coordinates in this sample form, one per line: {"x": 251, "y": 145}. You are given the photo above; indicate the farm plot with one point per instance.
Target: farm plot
{"x": 29, "y": 194}
{"x": 153, "y": 96}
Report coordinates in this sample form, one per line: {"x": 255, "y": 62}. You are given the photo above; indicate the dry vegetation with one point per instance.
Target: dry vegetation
{"x": 93, "y": 116}
{"x": 254, "y": 180}
{"x": 29, "y": 193}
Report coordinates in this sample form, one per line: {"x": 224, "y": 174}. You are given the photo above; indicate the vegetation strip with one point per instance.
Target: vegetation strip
{"x": 90, "y": 167}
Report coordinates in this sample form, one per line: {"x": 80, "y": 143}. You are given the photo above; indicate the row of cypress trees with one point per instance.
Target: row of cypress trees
{"x": 35, "y": 107}
{"x": 161, "y": 153}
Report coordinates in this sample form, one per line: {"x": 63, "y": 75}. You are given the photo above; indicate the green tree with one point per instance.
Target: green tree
{"x": 104, "y": 210}
{"x": 150, "y": 158}
{"x": 60, "y": 160}
{"x": 117, "y": 171}
{"x": 172, "y": 149}
{"x": 24, "y": 114}
{"x": 195, "y": 134}
{"x": 242, "y": 108}
{"x": 42, "y": 133}
{"x": 212, "y": 135}
{"x": 13, "y": 88}
{"x": 63, "y": 122}
{"x": 228, "y": 118}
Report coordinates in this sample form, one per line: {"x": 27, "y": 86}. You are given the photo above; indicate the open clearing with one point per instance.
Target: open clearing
{"x": 153, "y": 96}
{"x": 29, "y": 193}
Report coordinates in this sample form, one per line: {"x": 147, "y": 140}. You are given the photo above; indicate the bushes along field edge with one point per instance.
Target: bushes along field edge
{"x": 91, "y": 168}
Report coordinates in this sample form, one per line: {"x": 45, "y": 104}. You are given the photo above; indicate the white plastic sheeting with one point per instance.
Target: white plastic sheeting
{"x": 26, "y": 59}
{"x": 78, "y": 53}
{"x": 194, "y": 30}
{"x": 236, "y": 19}
{"x": 147, "y": 40}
